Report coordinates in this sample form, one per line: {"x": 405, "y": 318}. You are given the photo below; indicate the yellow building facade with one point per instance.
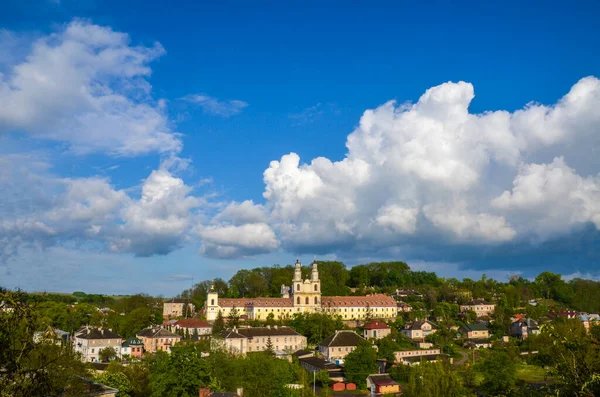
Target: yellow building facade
{"x": 304, "y": 296}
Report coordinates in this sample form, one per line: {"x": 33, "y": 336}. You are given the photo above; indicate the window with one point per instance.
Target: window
{"x": 297, "y": 287}
{"x": 315, "y": 287}
{"x": 298, "y": 300}
{"x": 316, "y": 300}
{"x": 212, "y": 302}
{"x": 92, "y": 350}
{"x": 306, "y": 300}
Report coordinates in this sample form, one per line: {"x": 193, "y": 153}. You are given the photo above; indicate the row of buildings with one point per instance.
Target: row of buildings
{"x": 303, "y": 296}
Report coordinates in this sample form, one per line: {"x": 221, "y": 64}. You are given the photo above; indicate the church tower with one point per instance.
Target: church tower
{"x": 212, "y": 303}
{"x": 307, "y": 293}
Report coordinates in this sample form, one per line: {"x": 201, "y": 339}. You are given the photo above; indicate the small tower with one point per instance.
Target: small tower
{"x": 212, "y": 303}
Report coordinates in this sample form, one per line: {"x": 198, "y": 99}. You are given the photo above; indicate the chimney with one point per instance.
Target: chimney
{"x": 204, "y": 392}
{"x": 240, "y": 392}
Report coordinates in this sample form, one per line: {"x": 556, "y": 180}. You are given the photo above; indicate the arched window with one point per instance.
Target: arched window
{"x": 297, "y": 287}
{"x": 316, "y": 300}
{"x": 315, "y": 287}
{"x": 306, "y": 300}
{"x": 298, "y": 300}
{"x": 212, "y": 302}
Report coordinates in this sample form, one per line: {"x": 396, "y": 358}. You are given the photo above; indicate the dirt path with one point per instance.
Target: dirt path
{"x": 463, "y": 359}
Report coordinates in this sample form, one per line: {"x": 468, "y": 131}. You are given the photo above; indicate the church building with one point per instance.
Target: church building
{"x": 304, "y": 296}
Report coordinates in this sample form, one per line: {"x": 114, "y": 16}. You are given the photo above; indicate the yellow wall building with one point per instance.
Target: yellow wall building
{"x": 304, "y": 296}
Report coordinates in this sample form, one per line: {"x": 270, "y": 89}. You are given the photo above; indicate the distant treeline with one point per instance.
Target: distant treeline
{"x": 337, "y": 279}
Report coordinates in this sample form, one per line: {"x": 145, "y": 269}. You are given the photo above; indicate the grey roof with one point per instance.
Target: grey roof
{"x": 157, "y": 332}
{"x": 133, "y": 341}
{"x": 475, "y": 327}
{"x": 342, "y": 338}
{"x": 475, "y": 302}
{"x": 418, "y": 324}
{"x": 417, "y": 359}
{"x": 231, "y": 334}
{"x": 302, "y": 353}
{"x": 319, "y": 363}
{"x": 267, "y": 331}
{"x": 529, "y": 323}
{"x": 96, "y": 333}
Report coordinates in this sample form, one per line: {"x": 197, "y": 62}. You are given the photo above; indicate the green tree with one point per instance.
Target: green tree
{"x": 387, "y": 347}
{"x": 181, "y": 373}
{"x": 434, "y": 379}
{"x": 234, "y": 318}
{"x": 107, "y": 354}
{"x": 269, "y": 347}
{"x": 360, "y": 363}
{"x": 576, "y": 357}
{"x": 135, "y": 321}
{"x": 219, "y": 324}
{"x": 499, "y": 372}
{"x": 28, "y": 368}
{"x": 117, "y": 380}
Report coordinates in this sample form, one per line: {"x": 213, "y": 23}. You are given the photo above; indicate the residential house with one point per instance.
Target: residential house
{"x": 194, "y": 328}
{"x": 476, "y": 336}
{"x": 588, "y": 320}
{"x": 523, "y": 327}
{"x": 132, "y": 347}
{"x": 403, "y": 293}
{"x": 336, "y": 347}
{"x": 567, "y": 314}
{"x": 403, "y": 307}
{"x": 479, "y": 306}
{"x": 475, "y": 331}
{"x": 283, "y": 339}
{"x": 157, "y": 338}
{"x": 89, "y": 341}
{"x": 418, "y": 330}
{"x": 205, "y": 392}
{"x": 52, "y": 335}
{"x": 304, "y": 353}
{"x": 231, "y": 341}
{"x": 317, "y": 364}
{"x": 412, "y": 357}
{"x": 376, "y": 330}
{"x": 175, "y": 308}
{"x": 382, "y": 384}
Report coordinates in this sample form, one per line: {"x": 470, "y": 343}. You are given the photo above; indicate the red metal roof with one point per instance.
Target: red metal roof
{"x": 376, "y": 325}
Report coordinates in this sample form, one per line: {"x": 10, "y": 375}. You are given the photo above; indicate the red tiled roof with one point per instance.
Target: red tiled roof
{"x": 193, "y": 323}
{"x": 256, "y": 302}
{"x": 376, "y": 325}
{"x": 360, "y": 301}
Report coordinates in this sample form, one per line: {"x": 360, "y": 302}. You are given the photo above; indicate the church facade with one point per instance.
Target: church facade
{"x": 304, "y": 296}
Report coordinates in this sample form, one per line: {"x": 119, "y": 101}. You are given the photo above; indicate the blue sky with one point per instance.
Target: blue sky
{"x": 137, "y": 140}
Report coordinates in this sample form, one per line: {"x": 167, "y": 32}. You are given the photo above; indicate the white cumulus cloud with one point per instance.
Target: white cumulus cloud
{"x": 86, "y": 86}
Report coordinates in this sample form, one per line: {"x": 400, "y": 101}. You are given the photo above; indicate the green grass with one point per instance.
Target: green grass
{"x": 531, "y": 373}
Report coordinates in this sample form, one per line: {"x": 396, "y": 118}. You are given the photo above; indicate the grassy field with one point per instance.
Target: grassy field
{"x": 531, "y": 373}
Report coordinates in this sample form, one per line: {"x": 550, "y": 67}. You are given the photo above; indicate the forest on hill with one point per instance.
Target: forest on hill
{"x": 386, "y": 277}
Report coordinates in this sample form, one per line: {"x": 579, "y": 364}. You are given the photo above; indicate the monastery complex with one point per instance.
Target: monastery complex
{"x": 304, "y": 296}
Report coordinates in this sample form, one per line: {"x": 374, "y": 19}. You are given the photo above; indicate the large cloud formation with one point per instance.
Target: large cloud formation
{"x": 91, "y": 210}
{"x": 434, "y": 171}
{"x": 86, "y": 85}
